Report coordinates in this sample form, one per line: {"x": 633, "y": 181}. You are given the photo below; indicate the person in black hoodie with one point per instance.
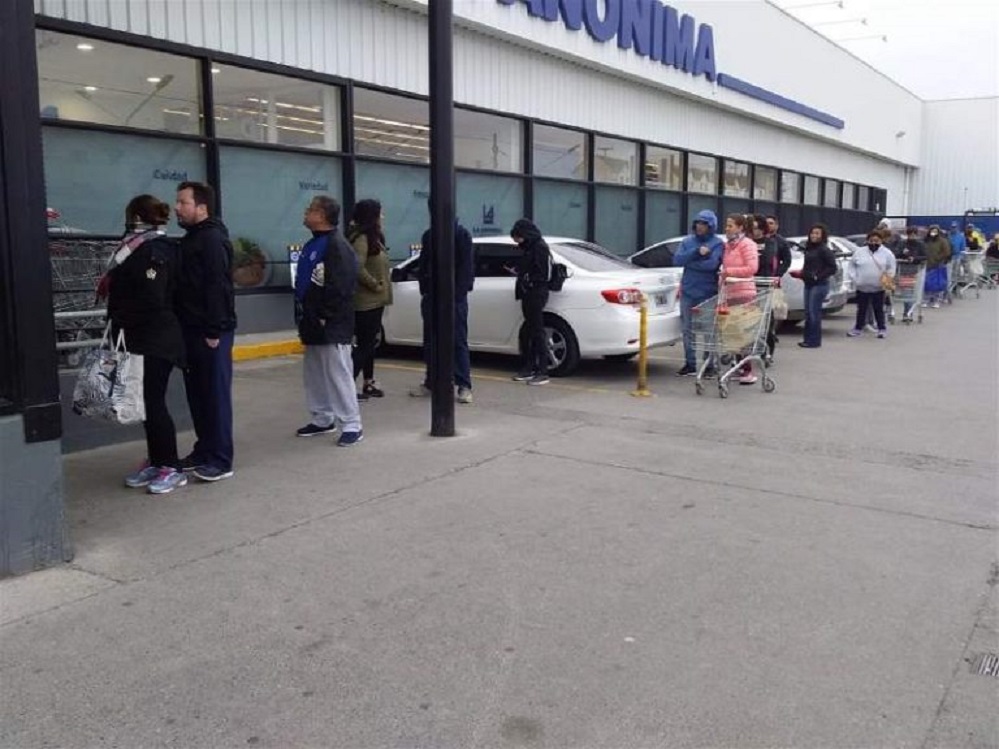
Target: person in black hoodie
{"x": 912, "y": 252}
{"x": 534, "y": 269}
{"x": 140, "y": 286}
{"x": 820, "y": 265}
{"x": 775, "y": 261}
{"x": 207, "y": 310}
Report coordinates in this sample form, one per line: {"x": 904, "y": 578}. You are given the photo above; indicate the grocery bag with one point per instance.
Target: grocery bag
{"x": 109, "y": 386}
{"x": 778, "y": 304}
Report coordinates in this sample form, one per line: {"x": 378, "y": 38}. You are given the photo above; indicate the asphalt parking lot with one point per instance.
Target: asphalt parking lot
{"x": 577, "y": 568}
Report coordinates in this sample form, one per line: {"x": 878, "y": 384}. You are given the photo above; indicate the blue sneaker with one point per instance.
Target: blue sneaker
{"x": 350, "y": 438}
{"x": 167, "y": 480}
{"x": 143, "y": 477}
{"x": 211, "y": 473}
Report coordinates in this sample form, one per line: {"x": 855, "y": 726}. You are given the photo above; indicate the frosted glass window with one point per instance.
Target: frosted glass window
{"x": 617, "y": 219}
{"x": 560, "y": 209}
{"x": 702, "y": 174}
{"x": 89, "y": 80}
{"x": 663, "y": 216}
{"x": 615, "y": 161}
{"x": 91, "y": 176}
{"x": 736, "y": 179}
{"x": 849, "y": 196}
{"x": 811, "y": 190}
{"x": 559, "y": 153}
{"x": 403, "y": 192}
{"x": 264, "y": 216}
{"x": 267, "y": 108}
{"x": 863, "y": 198}
{"x": 664, "y": 168}
{"x": 485, "y": 141}
{"x": 489, "y": 205}
{"x": 830, "y": 198}
{"x": 765, "y": 184}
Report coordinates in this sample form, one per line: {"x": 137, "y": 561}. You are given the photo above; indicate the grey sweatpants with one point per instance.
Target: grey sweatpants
{"x": 330, "y": 391}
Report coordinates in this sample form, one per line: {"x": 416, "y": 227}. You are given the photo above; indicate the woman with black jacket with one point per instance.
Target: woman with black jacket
{"x": 141, "y": 285}
{"x": 820, "y": 266}
{"x": 534, "y": 270}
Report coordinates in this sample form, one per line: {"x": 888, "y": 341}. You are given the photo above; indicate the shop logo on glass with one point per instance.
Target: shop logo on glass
{"x": 489, "y": 215}
{"x": 313, "y": 185}
{"x": 170, "y": 175}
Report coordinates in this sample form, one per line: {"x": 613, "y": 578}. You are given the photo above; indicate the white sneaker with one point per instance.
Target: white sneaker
{"x": 420, "y": 391}
{"x": 464, "y": 395}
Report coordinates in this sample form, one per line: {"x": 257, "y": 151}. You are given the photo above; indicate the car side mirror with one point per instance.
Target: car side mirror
{"x": 398, "y": 275}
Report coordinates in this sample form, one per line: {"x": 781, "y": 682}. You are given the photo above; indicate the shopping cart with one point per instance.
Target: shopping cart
{"x": 962, "y": 277}
{"x": 730, "y": 333}
{"x": 77, "y": 267}
{"x": 910, "y": 278}
{"x": 990, "y": 272}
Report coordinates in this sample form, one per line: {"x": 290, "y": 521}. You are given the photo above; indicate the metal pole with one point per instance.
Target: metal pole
{"x": 642, "y": 389}
{"x": 442, "y": 219}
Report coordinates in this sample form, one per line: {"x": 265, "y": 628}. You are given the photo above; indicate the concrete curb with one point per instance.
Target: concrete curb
{"x": 249, "y": 351}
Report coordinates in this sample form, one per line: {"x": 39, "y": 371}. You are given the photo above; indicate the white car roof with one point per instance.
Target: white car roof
{"x": 506, "y": 239}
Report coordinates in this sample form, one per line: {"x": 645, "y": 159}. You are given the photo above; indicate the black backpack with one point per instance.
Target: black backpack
{"x": 556, "y": 279}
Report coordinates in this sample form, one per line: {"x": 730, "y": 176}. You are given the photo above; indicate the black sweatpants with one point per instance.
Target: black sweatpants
{"x": 866, "y": 300}
{"x": 367, "y": 323}
{"x": 536, "y": 352}
{"x": 208, "y": 381}
{"x": 161, "y": 434}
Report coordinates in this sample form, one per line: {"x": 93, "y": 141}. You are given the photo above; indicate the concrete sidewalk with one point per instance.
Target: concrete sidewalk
{"x": 578, "y": 568}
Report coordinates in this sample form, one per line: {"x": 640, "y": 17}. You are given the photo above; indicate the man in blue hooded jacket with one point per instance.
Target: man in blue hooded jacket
{"x": 957, "y": 268}
{"x": 700, "y": 256}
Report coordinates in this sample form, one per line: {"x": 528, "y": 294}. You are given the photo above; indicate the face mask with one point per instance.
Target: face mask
{"x": 873, "y": 247}
{"x": 934, "y": 235}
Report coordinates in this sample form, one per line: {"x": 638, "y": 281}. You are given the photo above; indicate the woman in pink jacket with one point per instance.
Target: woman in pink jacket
{"x": 741, "y": 259}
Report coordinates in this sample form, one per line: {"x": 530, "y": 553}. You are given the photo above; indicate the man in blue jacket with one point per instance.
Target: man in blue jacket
{"x": 956, "y": 269}
{"x": 700, "y": 256}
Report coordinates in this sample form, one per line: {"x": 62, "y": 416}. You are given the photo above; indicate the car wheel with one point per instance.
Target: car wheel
{"x": 563, "y": 347}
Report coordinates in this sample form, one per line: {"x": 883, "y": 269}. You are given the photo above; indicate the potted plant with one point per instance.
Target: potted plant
{"x": 249, "y": 263}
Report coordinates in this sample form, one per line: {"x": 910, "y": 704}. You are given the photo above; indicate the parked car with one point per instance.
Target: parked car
{"x": 843, "y": 248}
{"x": 596, "y": 314}
{"x": 662, "y": 252}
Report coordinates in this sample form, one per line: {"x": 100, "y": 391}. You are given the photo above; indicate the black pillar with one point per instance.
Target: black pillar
{"x": 32, "y": 527}
{"x": 442, "y": 216}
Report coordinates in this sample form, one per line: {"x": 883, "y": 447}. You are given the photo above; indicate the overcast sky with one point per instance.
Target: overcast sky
{"x": 938, "y": 49}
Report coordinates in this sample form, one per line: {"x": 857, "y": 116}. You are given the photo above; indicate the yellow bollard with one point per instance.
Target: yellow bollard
{"x": 642, "y": 391}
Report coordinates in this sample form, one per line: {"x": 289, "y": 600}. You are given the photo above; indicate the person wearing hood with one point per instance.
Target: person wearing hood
{"x": 866, "y": 269}
{"x": 534, "y": 270}
{"x": 820, "y": 265}
{"x": 938, "y": 255}
{"x": 740, "y": 259}
{"x": 206, "y": 307}
{"x": 913, "y": 253}
{"x": 700, "y": 256}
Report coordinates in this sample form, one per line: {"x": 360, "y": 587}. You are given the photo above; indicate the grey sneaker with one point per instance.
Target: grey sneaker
{"x": 143, "y": 477}
{"x": 420, "y": 391}
{"x": 168, "y": 480}
{"x": 539, "y": 379}
{"x": 464, "y": 395}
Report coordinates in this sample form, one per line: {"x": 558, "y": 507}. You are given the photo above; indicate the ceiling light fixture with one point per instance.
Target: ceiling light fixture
{"x": 90, "y": 88}
{"x": 84, "y": 47}
{"x": 153, "y": 79}
{"x": 216, "y": 71}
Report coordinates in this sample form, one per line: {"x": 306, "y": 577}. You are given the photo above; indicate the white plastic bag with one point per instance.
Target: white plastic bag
{"x": 779, "y": 304}
{"x": 110, "y": 384}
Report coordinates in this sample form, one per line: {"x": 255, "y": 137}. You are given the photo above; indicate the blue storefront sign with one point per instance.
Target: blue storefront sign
{"x": 655, "y": 30}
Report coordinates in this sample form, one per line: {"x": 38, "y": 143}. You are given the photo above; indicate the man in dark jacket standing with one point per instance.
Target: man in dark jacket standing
{"x": 700, "y": 256}
{"x": 913, "y": 253}
{"x": 325, "y": 283}
{"x": 207, "y": 311}
{"x": 534, "y": 271}
{"x": 464, "y": 281}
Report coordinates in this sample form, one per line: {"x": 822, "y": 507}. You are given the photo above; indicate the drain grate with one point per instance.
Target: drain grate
{"x": 986, "y": 664}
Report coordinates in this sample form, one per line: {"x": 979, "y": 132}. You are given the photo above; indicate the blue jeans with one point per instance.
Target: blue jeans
{"x": 687, "y": 317}
{"x": 462, "y": 358}
{"x": 814, "y": 297}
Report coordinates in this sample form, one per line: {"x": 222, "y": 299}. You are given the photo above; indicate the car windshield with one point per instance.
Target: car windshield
{"x": 591, "y": 257}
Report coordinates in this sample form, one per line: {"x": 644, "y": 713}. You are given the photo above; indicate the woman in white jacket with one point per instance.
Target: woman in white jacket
{"x": 868, "y": 266}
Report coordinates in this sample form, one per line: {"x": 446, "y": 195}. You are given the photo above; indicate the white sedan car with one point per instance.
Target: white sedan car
{"x": 596, "y": 314}
{"x": 661, "y": 253}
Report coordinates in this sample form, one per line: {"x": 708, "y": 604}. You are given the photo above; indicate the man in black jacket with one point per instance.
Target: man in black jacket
{"x": 534, "y": 271}
{"x": 464, "y": 281}
{"x": 325, "y": 284}
{"x": 207, "y": 311}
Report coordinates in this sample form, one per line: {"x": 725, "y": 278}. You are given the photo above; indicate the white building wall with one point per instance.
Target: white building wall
{"x": 554, "y": 77}
{"x": 960, "y": 160}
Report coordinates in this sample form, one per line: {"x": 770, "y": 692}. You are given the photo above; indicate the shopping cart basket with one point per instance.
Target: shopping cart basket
{"x": 910, "y": 279}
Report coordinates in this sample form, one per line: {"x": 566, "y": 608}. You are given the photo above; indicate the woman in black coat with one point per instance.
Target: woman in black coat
{"x": 534, "y": 269}
{"x": 820, "y": 266}
{"x": 141, "y": 285}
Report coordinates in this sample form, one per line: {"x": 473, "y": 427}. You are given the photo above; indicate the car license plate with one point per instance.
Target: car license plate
{"x": 661, "y": 299}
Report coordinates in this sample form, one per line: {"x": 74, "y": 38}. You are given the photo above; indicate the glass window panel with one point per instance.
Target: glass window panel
{"x": 88, "y": 80}
{"x": 663, "y": 216}
{"x": 733, "y": 205}
{"x": 790, "y": 187}
{"x": 403, "y": 192}
{"x": 702, "y": 174}
{"x": 830, "y": 198}
{"x": 560, "y": 208}
{"x": 559, "y": 153}
{"x": 264, "y": 216}
{"x": 485, "y": 141}
{"x": 615, "y": 161}
{"x": 391, "y": 127}
{"x": 698, "y": 203}
{"x": 736, "y": 179}
{"x": 91, "y": 176}
{"x": 811, "y": 190}
{"x": 863, "y": 198}
{"x": 488, "y": 205}
{"x": 617, "y": 219}
{"x": 849, "y": 196}
{"x": 765, "y": 183}
{"x": 266, "y": 108}
{"x": 664, "y": 168}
